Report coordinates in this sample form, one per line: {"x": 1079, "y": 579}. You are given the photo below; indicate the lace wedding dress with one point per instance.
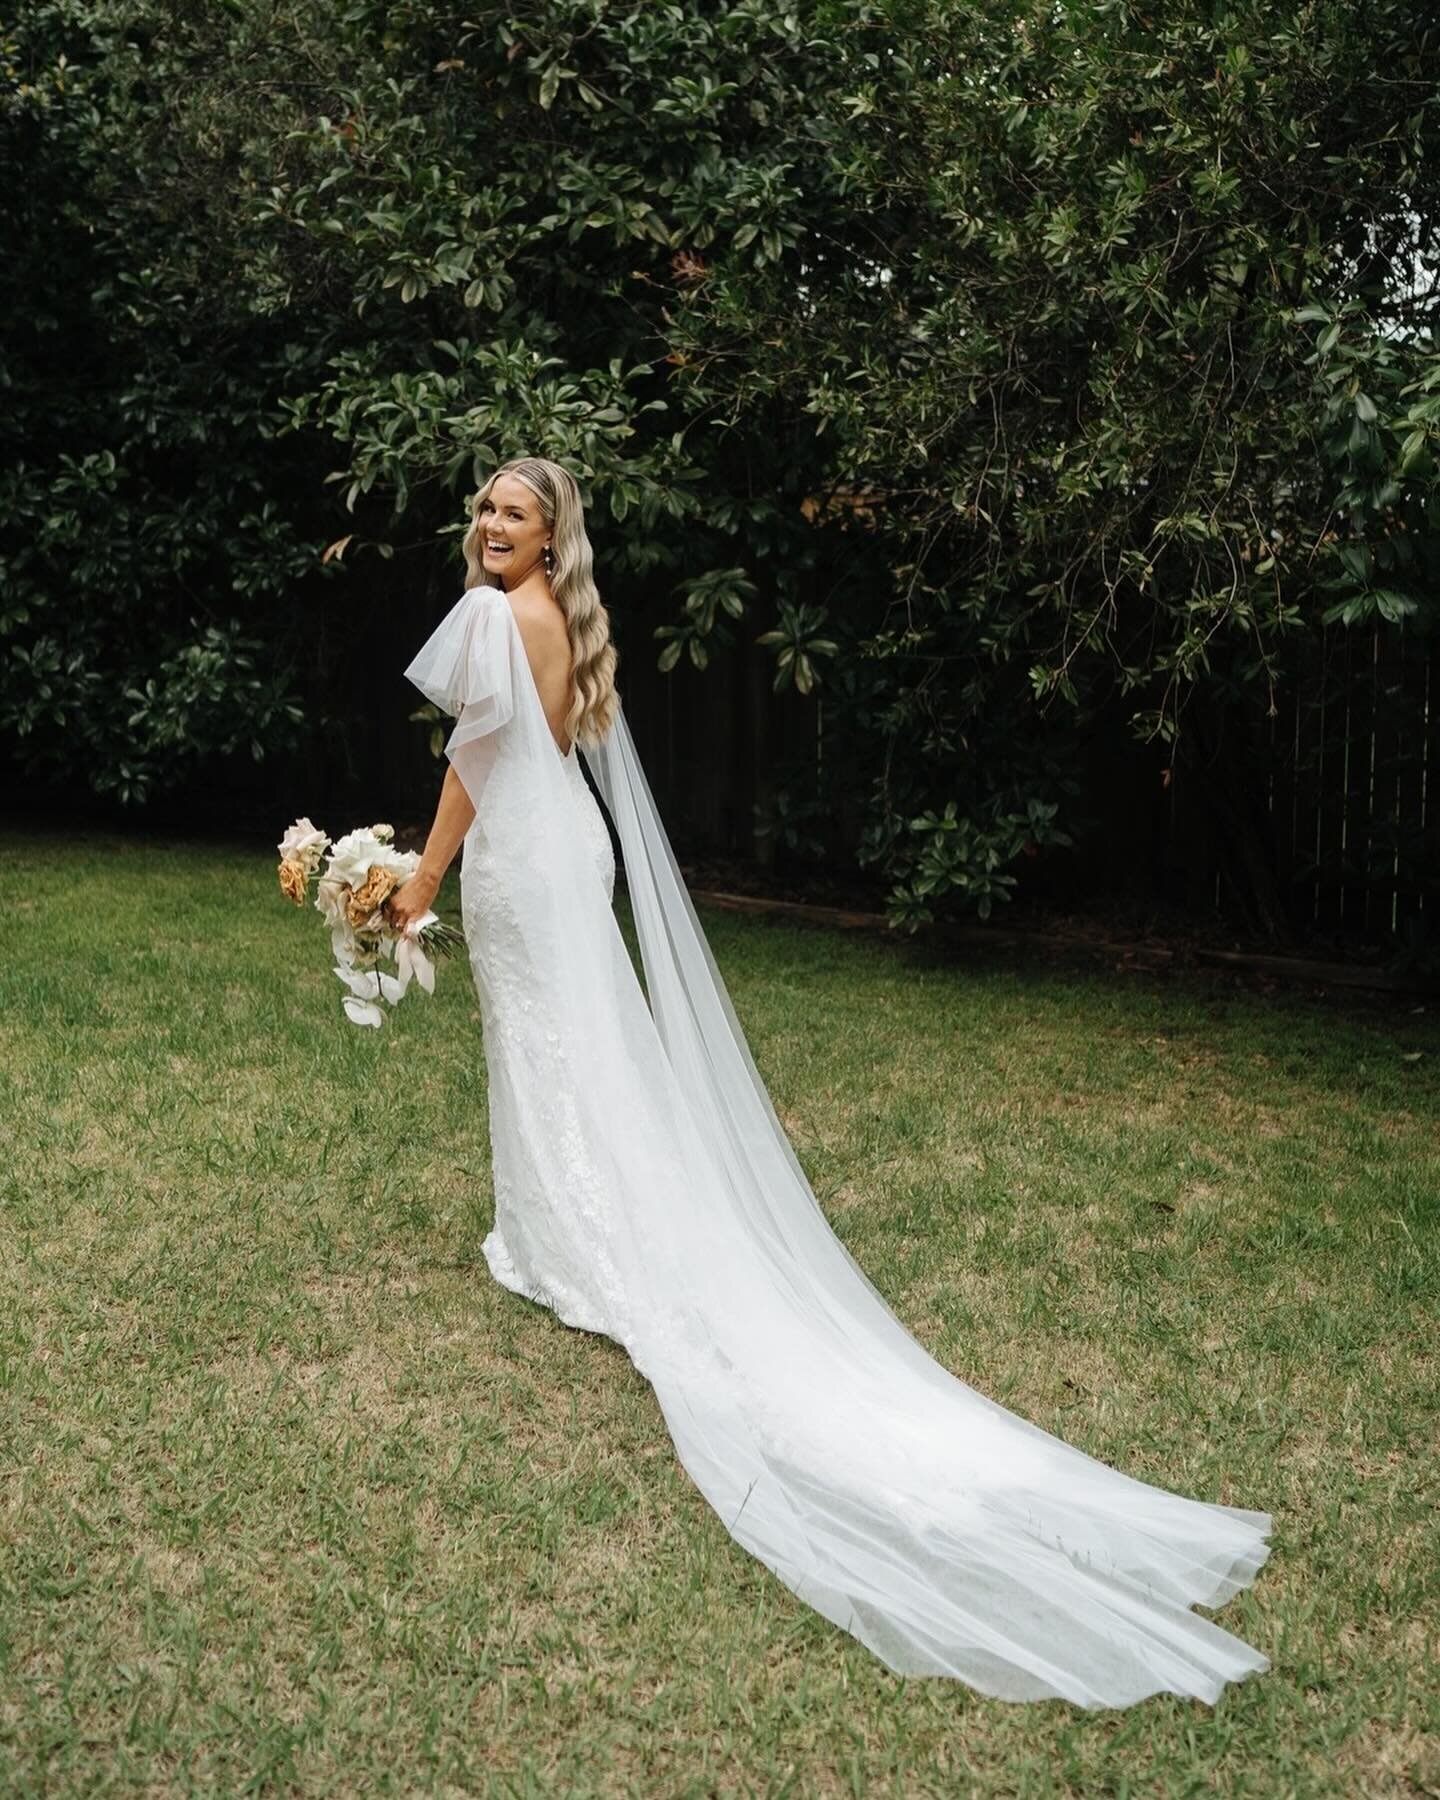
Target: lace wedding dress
{"x": 645, "y": 1189}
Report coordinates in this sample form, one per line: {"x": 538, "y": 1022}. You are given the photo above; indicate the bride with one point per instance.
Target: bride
{"x": 645, "y": 1189}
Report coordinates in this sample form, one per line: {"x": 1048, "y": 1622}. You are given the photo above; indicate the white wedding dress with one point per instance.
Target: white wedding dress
{"x": 645, "y": 1189}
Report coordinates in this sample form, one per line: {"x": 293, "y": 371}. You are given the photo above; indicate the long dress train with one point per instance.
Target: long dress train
{"x": 645, "y": 1189}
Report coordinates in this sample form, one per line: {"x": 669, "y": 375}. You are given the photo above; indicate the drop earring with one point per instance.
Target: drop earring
{"x": 549, "y": 558}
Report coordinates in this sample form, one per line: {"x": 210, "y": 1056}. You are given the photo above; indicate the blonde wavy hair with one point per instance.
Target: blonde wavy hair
{"x": 572, "y": 581}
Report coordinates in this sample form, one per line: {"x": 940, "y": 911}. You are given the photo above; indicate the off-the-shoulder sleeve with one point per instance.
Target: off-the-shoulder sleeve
{"x": 464, "y": 666}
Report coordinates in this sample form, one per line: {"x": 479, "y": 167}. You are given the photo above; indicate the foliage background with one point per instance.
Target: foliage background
{"x": 1030, "y": 396}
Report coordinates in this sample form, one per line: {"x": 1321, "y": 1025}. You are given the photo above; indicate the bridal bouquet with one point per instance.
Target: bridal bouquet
{"x": 363, "y": 870}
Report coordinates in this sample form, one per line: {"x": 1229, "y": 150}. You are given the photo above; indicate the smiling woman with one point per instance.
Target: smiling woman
{"x": 510, "y": 532}
{"x": 527, "y": 537}
{"x": 527, "y": 546}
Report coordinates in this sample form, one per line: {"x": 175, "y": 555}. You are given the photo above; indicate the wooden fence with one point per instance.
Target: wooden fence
{"x": 1330, "y": 799}
{"x": 1318, "y": 820}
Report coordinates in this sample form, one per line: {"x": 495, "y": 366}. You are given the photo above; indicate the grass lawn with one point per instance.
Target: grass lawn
{"x": 294, "y": 1499}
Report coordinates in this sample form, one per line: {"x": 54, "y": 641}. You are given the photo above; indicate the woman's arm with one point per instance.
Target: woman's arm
{"x": 453, "y": 817}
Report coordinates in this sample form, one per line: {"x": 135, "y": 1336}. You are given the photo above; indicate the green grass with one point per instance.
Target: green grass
{"x": 294, "y": 1499}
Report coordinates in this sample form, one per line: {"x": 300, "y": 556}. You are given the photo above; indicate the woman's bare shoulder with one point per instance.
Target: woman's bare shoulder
{"x": 538, "y": 613}
{"x": 542, "y": 630}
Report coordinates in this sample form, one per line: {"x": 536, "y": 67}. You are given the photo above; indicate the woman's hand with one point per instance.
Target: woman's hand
{"x": 412, "y": 899}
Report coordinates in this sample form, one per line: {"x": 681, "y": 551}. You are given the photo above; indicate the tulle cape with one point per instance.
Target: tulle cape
{"x": 950, "y": 1536}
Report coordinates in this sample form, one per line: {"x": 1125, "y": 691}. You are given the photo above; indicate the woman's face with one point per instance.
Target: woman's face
{"x": 513, "y": 532}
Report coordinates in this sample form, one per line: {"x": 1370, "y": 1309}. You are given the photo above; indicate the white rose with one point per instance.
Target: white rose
{"x": 403, "y": 862}
{"x": 330, "y": 901}
{"x": 352, "y": 857}
{"x": 304, "y": 843}
{"x": 385, "y": 833}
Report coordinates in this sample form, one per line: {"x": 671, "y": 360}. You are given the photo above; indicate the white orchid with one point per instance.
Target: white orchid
{"x": 365, "y": 988}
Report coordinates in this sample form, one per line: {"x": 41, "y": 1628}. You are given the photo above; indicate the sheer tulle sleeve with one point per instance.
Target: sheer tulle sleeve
{"x": 464, "y": 667}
